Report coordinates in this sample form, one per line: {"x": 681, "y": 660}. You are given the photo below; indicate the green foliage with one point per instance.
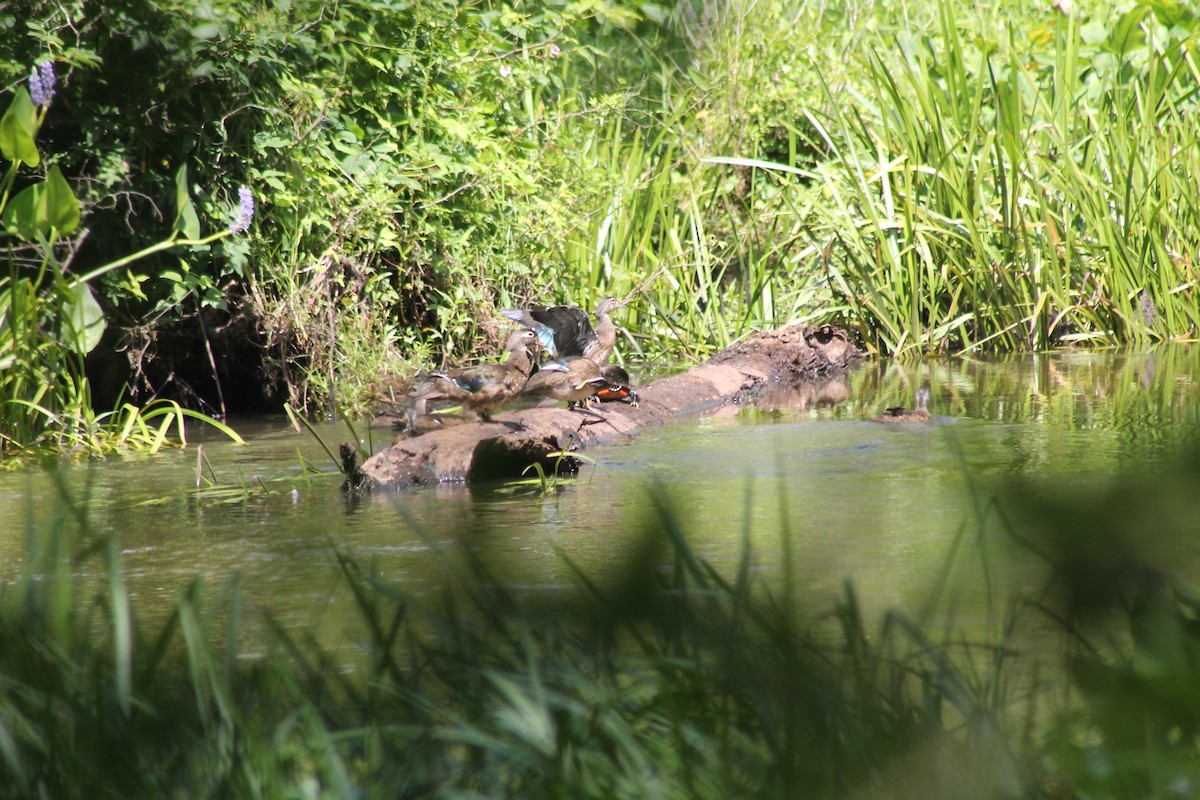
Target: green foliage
{"x": 937, "y": 177}
{"x": 396, "y": 146}
{"x": 50, "y": 319}
{"x": 419, "y": 194}
{"x": 996, "y": 189}
{"x": 17, "y": 129}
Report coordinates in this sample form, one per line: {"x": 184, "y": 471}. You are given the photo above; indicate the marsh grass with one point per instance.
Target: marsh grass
{"x": 698, "y": 273}
{"x": 962, "y": 183}
{"x": 1012, "y": 193}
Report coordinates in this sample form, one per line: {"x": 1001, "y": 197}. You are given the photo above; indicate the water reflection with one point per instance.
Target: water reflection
{"x": 882, "y": 504}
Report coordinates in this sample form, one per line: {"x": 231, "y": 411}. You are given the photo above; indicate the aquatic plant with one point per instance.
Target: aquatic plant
{"x": 49, "y": 316}
{"x": 1006, "y": 185}
{"x": 41, "y": 83}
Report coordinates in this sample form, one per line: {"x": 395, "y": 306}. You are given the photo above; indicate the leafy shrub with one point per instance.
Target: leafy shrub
{"x": 399, "y": 153}
{"x": 49, "y": 317}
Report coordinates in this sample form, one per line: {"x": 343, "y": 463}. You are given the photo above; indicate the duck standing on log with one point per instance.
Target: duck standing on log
{"x": 617, "y": 387}
{"x": 566, "y": 331}
{"x": 901, "y": 414}
{"x": 574, "y": 381}
{"x": 484, "y": 388}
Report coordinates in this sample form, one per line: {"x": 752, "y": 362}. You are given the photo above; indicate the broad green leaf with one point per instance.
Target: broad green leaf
{"x": 20, "y": 214}
{"x": 1093, "y": 32}
{"x": 186, "y": 220}
{"x": 84, "y": 319}
{"x": 1128, "y": 33}
{"x": 62, "y": 209}
{"x": 18, "y": 127}
{"x": 42, "y": 209}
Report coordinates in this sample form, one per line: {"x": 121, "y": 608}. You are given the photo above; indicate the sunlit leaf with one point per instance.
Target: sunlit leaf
{"x": 62, "y": 209}
{"x": 84, "y": 317}
{"x": 17, "y": 129}
{"x": 207, "y": 30}
{"x": 43, "y": 209}
{"x": 187, "y": 221}
{"x": 1128, "y": 33}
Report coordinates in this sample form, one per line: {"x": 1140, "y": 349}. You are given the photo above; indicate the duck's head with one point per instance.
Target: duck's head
{"x": 607, "y": 306}
{"x": 523, "y": 338}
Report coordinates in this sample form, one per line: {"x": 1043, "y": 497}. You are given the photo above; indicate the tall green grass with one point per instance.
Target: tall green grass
{"x": 1014, "y": 189}
{"x": 944, "y": 180}
{"x": 699, "y": 272}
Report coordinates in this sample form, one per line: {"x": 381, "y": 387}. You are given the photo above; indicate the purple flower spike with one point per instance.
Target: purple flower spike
{"x": 245, "y": 210}
{"x": 48, "y": 79}
{"x": 41, "y": 83}
{"x": 36, "y": 92}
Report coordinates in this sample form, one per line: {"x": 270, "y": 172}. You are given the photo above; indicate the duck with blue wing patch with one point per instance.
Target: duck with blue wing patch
{"x": 484, "y": 388}
{"x": 567, "y": 332}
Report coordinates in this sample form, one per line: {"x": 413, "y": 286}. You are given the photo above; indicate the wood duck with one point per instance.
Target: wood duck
{"x": 484, "y": 388}
{"x": 566, "y": 331}
{"x": 418, "y": 420}
{"x": 617, "y": 387}
{"x": 901, "y": 414}
{"x": 573, "y": 380}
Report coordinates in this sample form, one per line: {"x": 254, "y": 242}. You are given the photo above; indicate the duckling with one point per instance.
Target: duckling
{"x": 483, "y": 388}
{"x": 566, "y": 331}
{"x": 901, "y": 414}
{"x": 574, "y": 381}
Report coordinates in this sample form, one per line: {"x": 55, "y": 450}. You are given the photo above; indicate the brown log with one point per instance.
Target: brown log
{"x": 772, "y": 363}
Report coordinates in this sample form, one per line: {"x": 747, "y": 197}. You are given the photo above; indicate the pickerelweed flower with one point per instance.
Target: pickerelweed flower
{"x": 245, "y": 210}
{"x": 505, "y": 70}
{"x": 41, "y": 83}
{"x": 48, "y": 78}
{"x": 554, "y": 51}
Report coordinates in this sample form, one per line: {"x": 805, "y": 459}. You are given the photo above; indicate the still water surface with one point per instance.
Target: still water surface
{"x": 881, "y": 505}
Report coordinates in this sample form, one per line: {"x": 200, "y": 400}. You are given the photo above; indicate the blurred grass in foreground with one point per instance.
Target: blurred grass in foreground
{"x": 676, "y": 682}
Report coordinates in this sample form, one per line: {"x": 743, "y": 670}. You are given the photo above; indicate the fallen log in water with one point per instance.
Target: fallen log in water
{"x": 772, "y": 361}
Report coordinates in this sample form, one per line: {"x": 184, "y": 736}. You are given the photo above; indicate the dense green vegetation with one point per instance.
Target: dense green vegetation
{"x": 937, "y": 178}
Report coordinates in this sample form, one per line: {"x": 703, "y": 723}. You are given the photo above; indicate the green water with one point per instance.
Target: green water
{"x": 815, "y": 488}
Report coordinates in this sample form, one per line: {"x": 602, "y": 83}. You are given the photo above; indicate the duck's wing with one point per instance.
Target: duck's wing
{"x": 546, "y": 334}
{"x": 573, "y": 331}
{"x": 544, "y": 381}
{"x": 471, "y": 380}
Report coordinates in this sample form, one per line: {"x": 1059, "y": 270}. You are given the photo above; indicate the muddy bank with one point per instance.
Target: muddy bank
{"x": 768, "y": 362}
